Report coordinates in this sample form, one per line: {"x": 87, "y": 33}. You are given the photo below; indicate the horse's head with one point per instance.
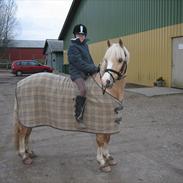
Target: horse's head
{"x": 114, "y": 65}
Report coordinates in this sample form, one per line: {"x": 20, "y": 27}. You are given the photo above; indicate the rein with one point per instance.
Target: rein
{"x": 103, "y": 89}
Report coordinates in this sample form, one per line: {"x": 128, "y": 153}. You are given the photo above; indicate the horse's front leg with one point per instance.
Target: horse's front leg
{"x": 110, "y": 160}
{"x": 101, "y": 142}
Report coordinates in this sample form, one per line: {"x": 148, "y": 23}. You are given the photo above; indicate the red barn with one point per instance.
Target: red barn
{"x": 24, "y": 49}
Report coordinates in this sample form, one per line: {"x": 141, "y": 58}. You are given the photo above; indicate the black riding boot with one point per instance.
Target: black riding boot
{"x": 79, "y": 110}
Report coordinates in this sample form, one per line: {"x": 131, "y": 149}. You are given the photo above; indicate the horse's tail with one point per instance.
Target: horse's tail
{"x": 16, "y": 122}
{"x": 16, "y": 135}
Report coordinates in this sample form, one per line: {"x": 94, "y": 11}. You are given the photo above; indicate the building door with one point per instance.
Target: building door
{"x": 54, "y": 63}
{"x": 177, "y": 63}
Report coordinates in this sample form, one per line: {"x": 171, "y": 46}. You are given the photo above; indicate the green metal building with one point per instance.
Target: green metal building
{"x": 152, "y": 31}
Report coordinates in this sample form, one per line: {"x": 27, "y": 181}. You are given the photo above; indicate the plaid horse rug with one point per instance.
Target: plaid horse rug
{"x": 46, "y": 99}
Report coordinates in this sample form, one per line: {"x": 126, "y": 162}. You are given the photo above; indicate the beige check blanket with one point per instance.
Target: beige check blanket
{"x": 46, "y": 99}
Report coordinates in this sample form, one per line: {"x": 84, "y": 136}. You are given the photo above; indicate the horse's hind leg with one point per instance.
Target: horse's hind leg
{"x": 20, "y": 133}
{"x": 28, "y": 149}
{"x": 101, "y": 141}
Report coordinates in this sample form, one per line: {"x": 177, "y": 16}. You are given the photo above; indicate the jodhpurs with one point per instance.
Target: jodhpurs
{"x": 81, "y": 86}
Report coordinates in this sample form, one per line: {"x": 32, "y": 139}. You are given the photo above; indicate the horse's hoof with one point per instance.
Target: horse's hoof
{"x": 31, "y": 154}
{"x": 105, "y": 168}
{"x": 111, "y": 161}
{"x": 27, "y": 161}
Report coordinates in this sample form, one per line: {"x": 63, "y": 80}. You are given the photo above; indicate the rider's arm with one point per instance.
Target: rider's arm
{"x": 75, "y": 59}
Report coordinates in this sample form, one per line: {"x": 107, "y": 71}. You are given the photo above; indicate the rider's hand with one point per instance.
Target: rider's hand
{"x": 98, "y": 68}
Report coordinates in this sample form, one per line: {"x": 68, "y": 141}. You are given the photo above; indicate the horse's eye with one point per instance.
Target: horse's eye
{"x": 120, "y": 60}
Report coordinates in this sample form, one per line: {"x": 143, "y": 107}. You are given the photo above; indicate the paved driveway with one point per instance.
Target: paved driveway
{"x": 149, "y": 147}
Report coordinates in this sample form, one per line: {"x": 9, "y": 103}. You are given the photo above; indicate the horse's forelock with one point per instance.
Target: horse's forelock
{"x": 114, "y": 51}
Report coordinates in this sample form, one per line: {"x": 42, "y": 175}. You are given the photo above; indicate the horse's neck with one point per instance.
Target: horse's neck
{"x": 117, "y": 90}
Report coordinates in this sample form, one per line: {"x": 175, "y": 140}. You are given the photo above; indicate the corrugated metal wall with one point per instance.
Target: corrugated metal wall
{"x": 109, "y": 19}
{"x": 151, "y": 54}
{"x": 146, "y": 26}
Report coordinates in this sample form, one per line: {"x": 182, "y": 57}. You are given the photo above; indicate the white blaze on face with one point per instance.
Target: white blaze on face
{"x": 106, "y": 75}
{"x": 112, "y": 56}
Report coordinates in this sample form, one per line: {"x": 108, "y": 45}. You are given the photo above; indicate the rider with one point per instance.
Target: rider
{"x": 81, "y": 66}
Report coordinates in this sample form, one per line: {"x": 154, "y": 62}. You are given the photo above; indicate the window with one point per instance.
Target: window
{"x": 24, "y": 63}
{"x": 33, "y": 63}
{"x": 18, "y": 63}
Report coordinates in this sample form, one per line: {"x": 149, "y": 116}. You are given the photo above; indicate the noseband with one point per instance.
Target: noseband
{"x": 120, "y": 75}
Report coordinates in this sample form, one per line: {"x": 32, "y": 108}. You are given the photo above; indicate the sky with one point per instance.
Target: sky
{"x": 40, "y": 19}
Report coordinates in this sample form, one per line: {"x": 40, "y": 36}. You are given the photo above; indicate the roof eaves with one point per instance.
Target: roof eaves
{"x": 45, "y": 46}
{"x": 53, "y": 45}
{"x": 74, "y": 6}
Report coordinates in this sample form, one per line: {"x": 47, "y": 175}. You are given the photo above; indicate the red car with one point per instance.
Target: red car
{"x": 20, "y": 67}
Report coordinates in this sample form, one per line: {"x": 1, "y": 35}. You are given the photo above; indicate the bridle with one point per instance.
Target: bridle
{"x": 120, "y": 75}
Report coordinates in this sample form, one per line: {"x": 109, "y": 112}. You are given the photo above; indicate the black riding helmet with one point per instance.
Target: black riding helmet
{"x": 80, "y": 29}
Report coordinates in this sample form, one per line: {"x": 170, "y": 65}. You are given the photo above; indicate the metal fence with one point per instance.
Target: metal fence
{"x": 5, "y": 64}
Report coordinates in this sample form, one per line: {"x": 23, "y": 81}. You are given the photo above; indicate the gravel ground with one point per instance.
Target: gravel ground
{"x": 149, "y": 147}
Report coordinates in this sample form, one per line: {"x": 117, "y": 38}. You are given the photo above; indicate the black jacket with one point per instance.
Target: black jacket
{"x": 80, "y": 62}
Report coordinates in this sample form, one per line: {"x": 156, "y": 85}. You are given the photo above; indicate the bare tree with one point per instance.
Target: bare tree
{"x": 8, "y": 21}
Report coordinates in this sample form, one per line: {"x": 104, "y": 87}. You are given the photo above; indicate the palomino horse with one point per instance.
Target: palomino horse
{"x": 111, "y": 78}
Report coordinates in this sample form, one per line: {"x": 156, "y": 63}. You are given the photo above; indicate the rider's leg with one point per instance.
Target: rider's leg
{"x": 80, "y": 102}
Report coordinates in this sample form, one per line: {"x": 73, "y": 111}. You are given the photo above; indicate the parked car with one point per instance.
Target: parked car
{"x": 20, "y": 67}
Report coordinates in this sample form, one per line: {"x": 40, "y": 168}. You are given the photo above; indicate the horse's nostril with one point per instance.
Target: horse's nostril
{"x": 108, "y": 82}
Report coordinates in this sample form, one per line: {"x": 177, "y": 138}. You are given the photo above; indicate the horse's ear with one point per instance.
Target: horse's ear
{"x": 121, "y": 43}
{"x": 108, "y": 43}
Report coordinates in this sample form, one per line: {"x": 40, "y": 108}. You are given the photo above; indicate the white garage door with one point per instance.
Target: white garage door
{"x": 177, "y": 65}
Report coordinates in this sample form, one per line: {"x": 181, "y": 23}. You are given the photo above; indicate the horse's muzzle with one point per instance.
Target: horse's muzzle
{"x": 108, "y": 83}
